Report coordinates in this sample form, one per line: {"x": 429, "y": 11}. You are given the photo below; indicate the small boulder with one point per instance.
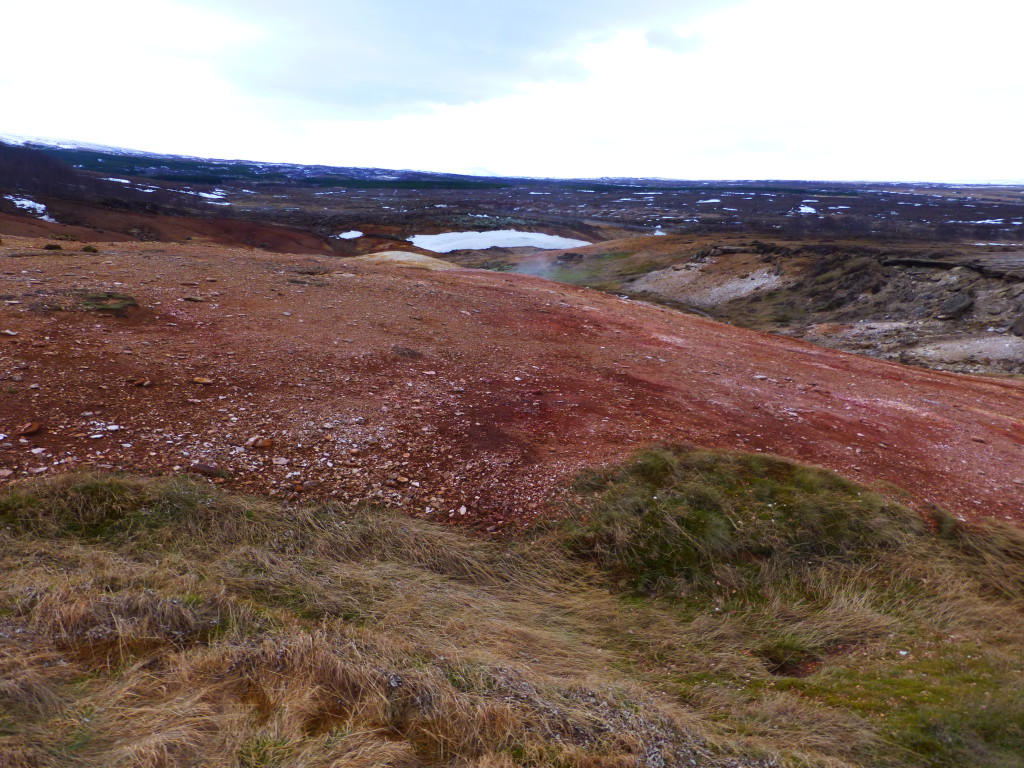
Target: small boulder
{"x": 1017, "y": 329}
{"x": 955, "y": 306}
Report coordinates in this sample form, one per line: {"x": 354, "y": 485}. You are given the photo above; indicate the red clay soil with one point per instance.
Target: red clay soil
{"x": 30, "y": 226}
{"x": 464, "y": 395}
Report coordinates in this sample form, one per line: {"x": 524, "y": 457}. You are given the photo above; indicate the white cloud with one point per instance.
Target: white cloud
{"x": 764, "y": 89}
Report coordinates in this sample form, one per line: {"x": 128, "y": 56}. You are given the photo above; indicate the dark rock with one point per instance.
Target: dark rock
{"x": 406, "y": 352}
{"x": 955, "y": 306}
{"x": 1017, "y": 329}
{"x": 209, "y": 470}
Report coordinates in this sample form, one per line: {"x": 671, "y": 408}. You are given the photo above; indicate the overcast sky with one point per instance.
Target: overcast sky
{"x": 722, "y": 89}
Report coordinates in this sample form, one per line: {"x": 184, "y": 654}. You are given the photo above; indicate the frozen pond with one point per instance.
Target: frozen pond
{"x": 501, "y": 238}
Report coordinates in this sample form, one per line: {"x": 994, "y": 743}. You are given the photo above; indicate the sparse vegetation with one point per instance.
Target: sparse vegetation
{"x": 106, "y": 301}
{"x": 845, "y": 598}
{"x": 53, "y": 247}
{"x": 90, "y": 249}
{"x": 724, "y": 609}
{"x": 497, "y": 265}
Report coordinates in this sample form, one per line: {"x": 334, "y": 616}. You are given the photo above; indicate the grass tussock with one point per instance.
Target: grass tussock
{"x": 688, "y": 522}
{"x": 694, "y": 609}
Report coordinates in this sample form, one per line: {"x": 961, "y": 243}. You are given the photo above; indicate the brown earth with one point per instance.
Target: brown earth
{"x": 103, "y": 225}
{"x": 463, "y": 394}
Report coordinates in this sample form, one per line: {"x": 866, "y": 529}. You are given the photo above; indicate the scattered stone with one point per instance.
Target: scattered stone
{"x": 5, "y": 473}
{"x": 280, "y": 462}
{"x": 259, "y": 442}
{"x": 1017, "y": 329}
{"x": 195, "y": 299}
{"x": 140, "y": 382}
{"x": 9, "y": 332}
{"x": 28, "y": 429}
{"x": 202, "y": 380}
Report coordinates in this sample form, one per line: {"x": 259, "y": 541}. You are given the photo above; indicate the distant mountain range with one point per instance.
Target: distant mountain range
{"x": 183, "y": 168}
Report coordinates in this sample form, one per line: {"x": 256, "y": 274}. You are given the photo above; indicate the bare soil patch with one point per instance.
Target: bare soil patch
{"x": 507, "y": 385}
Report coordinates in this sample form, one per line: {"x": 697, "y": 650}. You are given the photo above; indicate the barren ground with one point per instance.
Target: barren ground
{"x": 461, "y": 394}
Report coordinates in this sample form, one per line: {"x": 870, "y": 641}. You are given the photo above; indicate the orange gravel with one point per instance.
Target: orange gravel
{"x": 459, "y": 395}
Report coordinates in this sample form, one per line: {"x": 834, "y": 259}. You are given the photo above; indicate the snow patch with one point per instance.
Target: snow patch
{"x": 351, "y": 235}
{"x": 31, "y": 205}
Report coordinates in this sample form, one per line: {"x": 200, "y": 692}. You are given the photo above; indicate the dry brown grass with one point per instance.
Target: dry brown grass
{"x": 154, "y": 622}
{"x": 158, "y": 623}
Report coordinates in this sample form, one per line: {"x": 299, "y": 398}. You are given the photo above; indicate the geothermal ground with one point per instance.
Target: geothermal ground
{"x": 455, "y": 394}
